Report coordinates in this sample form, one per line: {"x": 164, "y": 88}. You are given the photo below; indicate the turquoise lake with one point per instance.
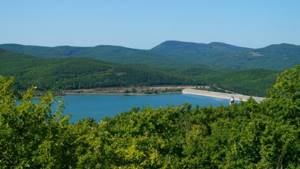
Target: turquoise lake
{"x": 100, "y": 106}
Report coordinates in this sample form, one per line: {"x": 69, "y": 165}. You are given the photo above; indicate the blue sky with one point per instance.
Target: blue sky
{"x": 146, "y": 23}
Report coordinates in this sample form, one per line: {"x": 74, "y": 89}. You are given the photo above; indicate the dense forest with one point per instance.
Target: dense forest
{"x": 77, "y": 73}
{"x": 245, "y": 135}
{"x": 176, "y": 54}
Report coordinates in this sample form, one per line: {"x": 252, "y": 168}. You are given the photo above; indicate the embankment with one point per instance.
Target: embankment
{"x": 238, "y": 97}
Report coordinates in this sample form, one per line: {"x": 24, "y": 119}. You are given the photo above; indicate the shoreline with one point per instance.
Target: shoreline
{"x": 154, "y": 90}
{"x": 121, "y": 94}
{"x": 220, "y": 95}
{"x": 130, "y": 91}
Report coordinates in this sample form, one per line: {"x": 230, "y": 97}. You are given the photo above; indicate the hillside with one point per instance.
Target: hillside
{"x": 275, "y": 57}
{"x": 176, "y": 54}
{"x": 78, "y": 73}
{"x": 199, "y": 53}
{"x": 115, "y": 54}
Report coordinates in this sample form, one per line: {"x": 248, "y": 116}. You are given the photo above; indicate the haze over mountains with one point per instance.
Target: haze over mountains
{"x": 176, "y": 54}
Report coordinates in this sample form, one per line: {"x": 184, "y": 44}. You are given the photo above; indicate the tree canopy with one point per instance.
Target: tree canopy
{"x": 245, "y": 135}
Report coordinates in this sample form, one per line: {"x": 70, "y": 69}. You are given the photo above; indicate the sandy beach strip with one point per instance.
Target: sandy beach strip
{"x": 238, "y": 97}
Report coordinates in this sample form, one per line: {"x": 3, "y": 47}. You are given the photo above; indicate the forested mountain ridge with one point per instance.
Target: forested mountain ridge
{"x": 76, "y": 73}
{"x": 115, "y": 54}
{"x": 176, "y": 54}
{"x": 275, "y": 57}
{"x": 245, "y": 135}
{"x": 87, "y": 73}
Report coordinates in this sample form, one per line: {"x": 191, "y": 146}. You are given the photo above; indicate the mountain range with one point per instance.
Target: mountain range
{"x": 61, "y": 73}
{"x": 176, "y": 54}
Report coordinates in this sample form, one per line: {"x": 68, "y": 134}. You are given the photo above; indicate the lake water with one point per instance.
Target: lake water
{"x": 99, "y": 106}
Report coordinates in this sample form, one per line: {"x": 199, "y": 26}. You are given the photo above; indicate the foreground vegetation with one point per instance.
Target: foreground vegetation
{"x": 246, "y": 135}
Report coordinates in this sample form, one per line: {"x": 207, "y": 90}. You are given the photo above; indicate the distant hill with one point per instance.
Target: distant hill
{"x": 277, "y": 56}
{"x": 116, "y": 54}
{"x": 218, "y": 54}
{"x": 199, "y": 53}
{"x": 176, "y": 54}
{"x": 76, "y": 73}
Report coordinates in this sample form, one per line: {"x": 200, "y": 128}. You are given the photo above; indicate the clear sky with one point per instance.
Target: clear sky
{"x": 146, "y": 23}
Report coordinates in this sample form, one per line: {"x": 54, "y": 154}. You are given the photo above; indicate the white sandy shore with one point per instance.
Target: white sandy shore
{"x": 238, "y": 97}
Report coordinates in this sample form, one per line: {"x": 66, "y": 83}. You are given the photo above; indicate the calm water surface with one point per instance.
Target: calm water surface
{"x": 99, "y": 106}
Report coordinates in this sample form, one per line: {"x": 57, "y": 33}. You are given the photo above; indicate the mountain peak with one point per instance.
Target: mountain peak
{"x": 171, "y": 44}
{"x": 282, "y": 48}
{"x": 197, "y": 47}
{"x": 174, "y": 42}
{"x": 281, "y": 45}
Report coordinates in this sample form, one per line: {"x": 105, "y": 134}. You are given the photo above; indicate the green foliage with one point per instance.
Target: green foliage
{"x": 288, "y": 85}
{"x": 245, "y": 135}
{"x": 31, "y": 135}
